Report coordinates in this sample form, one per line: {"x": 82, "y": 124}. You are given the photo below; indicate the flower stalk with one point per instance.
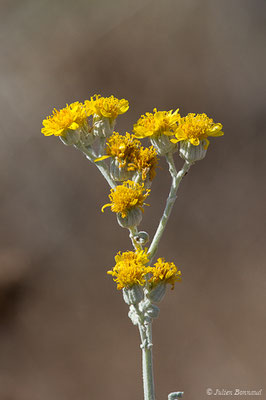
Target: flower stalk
{"x": 147, "y": 361}
{"x": 176, "y": 179}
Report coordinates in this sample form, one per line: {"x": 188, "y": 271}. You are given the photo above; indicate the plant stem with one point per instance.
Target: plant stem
{"x": 176, "y": 179}
{"x": 147, "y": 365}
{"x": 132, "y": 233}
{"x": 100, "y": 165}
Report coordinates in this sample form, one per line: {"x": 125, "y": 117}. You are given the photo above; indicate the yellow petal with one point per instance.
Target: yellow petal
{"x": 106, "y": 205}
{"x": 73, "y": 126}
{"x": 207, "y": 142}
{"x": 195, "y": 141}
{"x": 101, "y": 158}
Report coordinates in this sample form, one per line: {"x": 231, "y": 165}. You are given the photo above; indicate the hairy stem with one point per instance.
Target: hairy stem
{"x": 147, "y": 364}
{"x": 176, "y": 179}
{"x": 99, "y": 164}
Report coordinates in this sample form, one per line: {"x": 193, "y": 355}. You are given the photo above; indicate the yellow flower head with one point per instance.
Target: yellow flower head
{"x": 146, "y": 161}
{"x": 72, "y": 117}
{"x": 122, "y": 147}
{"x": 130, "y": 268}
{"x": 164, "y": 272}
{"x": 127, "y": 196}
{"x": 158, "y": 123}
{"x": 195, "y": 128}
{"x": 109, "y": 107}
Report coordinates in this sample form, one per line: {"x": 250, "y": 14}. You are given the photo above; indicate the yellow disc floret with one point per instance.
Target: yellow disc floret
{"x": 122, "y": 147}
{"x": 195, "y": 128}
{"x": 109, "y": 107}
{"x": 129, "y": 152}
{"x": 126, "y": 197}
{"x": 146, "y": 161}
{"x": 72, "y": 117}
{"x": 157, "y": 123}
{"x": 130, "y": 269}
{"x": 164, "y": 272}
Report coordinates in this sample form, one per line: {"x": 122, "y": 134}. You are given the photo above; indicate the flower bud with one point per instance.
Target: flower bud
{"x": 133, "y": 295}
{"x": 163, "y": 145}
{"x": 149, "y": 310}
{"x": 142, "y": 237}
{"x": 118, "y": 172}
{"x": 152, "y": 311}
{"x": 133, "y": 218}
{"x": 191, "y": 153}
{"x": 157, "y": 292}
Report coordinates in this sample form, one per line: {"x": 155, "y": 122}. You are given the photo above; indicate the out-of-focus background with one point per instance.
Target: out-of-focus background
{"x": 64, "y": 330}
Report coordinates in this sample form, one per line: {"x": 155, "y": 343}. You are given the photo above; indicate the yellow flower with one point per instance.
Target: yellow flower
{"x": 109, "y": 107}
{"x": 195, "y": 128}
{"x": 130, "y": 154}
{"x": 146, "y": 161}
{"x": 130, "y": 268}
{"x": 126, "y": 197}
{"x": 121, "y": 147}
{"x": 158, "y": 123}
{"x": 164, "y": 272}
{"x": 72, "y": 117}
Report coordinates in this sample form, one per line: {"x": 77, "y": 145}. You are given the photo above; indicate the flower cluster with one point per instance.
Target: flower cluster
{"x": 74, "y": 118}
{"x": 166, "y": 128}
{"x": 81, "y": 123}
{"x": 132, "y": 269}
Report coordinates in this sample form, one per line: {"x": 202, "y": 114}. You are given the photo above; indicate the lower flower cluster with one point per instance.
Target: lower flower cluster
{"x": 143, "y": 284}
{"x": 132, "y": 268}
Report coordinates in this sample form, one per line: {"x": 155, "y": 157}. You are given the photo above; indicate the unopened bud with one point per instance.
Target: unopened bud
{"x": 142, "y": 237}
{"x": 149, "y": 310}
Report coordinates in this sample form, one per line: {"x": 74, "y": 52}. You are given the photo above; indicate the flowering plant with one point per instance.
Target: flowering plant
{"x": 129, "y": 169}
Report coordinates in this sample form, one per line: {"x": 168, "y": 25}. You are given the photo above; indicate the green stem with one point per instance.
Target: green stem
{"x": 100, "y": 165}
{"x": 176, "y": 179}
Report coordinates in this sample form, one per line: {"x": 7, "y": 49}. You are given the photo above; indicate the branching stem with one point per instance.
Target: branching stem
{"x": 99, "y": 164}
{"x": 176, "y": 179}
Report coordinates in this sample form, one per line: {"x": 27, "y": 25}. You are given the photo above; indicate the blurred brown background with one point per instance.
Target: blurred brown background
{"x": 64, "y": 330}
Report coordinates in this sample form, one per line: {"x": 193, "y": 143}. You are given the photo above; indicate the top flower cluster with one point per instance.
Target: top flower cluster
{"x": 89, "y": 126}
{"x": 164, "y": 128}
